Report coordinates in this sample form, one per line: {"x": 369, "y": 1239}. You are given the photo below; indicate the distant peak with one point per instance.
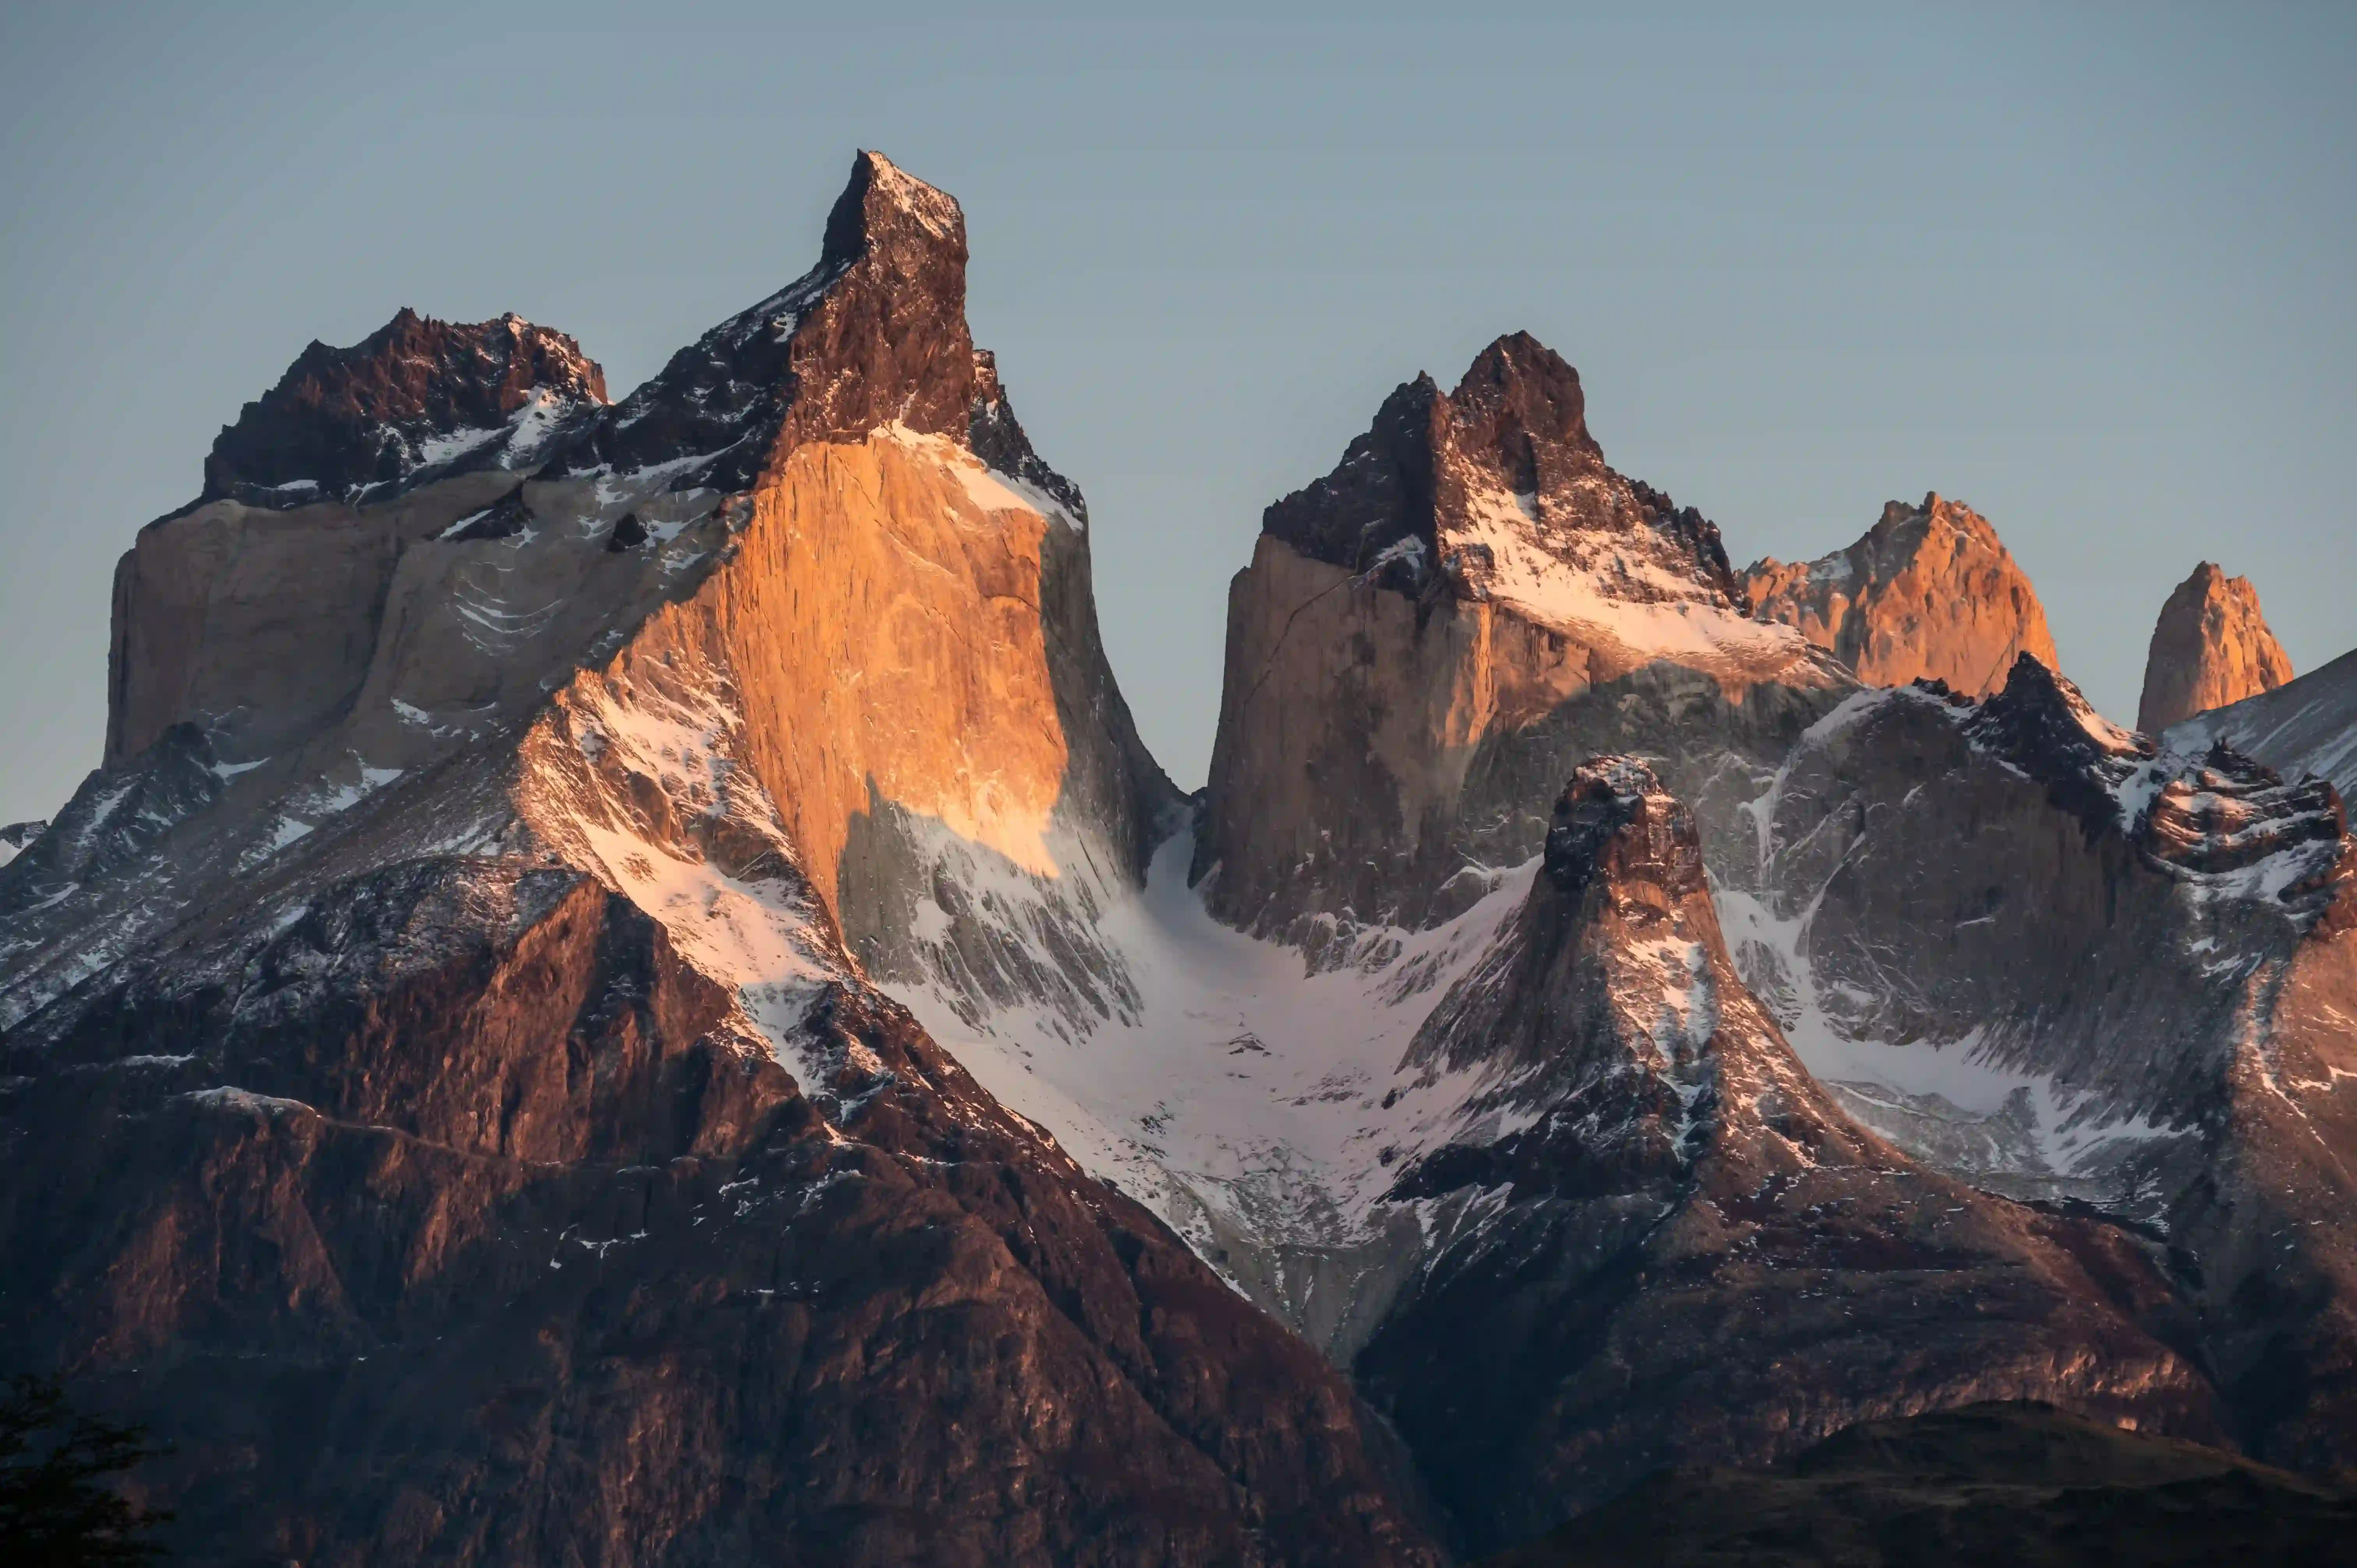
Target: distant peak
{"x": 2210, "y": 646}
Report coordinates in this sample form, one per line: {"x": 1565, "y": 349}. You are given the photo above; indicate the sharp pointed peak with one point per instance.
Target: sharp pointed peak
{"x": 883, "y": 205}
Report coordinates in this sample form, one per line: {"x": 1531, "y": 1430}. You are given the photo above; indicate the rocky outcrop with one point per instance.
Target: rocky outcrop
{"x": 440, "y": 1052}
{"x": 1468, "y": 605}
{"x": 2210, "y": 646}
{"x": 17, "y": 837}
{"x": 1929, "y": 593}
{"x": 1666, "y": 1180}
{"x": 452, "y": 1219}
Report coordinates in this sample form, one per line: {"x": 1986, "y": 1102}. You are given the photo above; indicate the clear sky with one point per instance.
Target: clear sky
{"x": 2087, "y": 268}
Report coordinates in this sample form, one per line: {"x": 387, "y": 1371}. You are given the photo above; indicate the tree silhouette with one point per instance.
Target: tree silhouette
{"x": 55, "y": 1512}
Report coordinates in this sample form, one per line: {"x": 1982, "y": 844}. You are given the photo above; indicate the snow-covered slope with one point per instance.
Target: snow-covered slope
{"x": 1261, "y": 1109}
{"x": 2305, "y": 727}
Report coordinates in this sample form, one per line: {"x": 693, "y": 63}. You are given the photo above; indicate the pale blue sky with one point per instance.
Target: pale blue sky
{"x": 2086, "y": 268}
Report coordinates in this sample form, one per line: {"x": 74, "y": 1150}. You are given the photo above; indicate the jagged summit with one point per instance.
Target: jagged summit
{"x": 416, "y": 396}
{"x": 1519, "y": 401}
{"x": 2210, "y": 646}
{"x": 1928, "y": 593}
{"x": 2041, "y": 725}
{"x": 1433, "y": 634}
{"x": 875, "y": 334}
{"x": 1614, "y": 819}
{"x": 1496, "y": 491}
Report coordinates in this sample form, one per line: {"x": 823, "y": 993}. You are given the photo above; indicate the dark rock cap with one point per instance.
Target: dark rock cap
{"x": 1615, "y": 821}
{"x": 2041, "y": 725}
{"x": 1517, "y": 419}
{"x": 1520, "y": 403}
{"x": 342, "y": 418}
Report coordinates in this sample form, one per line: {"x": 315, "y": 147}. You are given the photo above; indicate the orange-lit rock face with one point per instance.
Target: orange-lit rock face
{"x": 882, "y": 616}
{"x": 1929, "y": 593}
{"x": 2210, "y": 646}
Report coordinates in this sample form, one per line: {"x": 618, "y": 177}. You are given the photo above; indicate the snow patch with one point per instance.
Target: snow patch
{"x": 1240, "y": 1087}
{"x": 1604, "y": 587}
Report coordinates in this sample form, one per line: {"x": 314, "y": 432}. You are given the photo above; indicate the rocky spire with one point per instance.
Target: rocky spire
{"x": 2210, "y": 646}
{"x": 875, "y": 334}
{"x": 1928, "y": 593}
{"x": 416, "y": 394}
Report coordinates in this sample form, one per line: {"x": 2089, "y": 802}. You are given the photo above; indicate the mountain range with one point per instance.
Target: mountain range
{"x": 626, "y": 990}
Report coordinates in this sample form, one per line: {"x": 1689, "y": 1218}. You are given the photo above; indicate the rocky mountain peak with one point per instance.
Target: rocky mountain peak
{"x": 1930, "y": 592}
{"x": 884, "y": 212}
{"x": 2210, "y": 646}
{"x": 1520, "y": 407}
{"x": 1497, "y": 492}
{"x": 17, "y": 837}
{"x": 2041, "y": 725}
{"x": 999, "y": 440}
{"x": 1615, "y": 822}
{"x": 416, "y": 394}
{"x": 873, "y": 335}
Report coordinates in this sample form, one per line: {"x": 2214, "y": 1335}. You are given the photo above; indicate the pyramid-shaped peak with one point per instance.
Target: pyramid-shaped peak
{"x": 883, "y": 207}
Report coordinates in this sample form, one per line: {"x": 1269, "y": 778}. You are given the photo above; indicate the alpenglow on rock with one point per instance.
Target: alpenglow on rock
{"x": 2210, "y": 646}
{"x": 440, "y": 1051}
{"x": 1929, "y": 593}
{"x": 626, "y": 992}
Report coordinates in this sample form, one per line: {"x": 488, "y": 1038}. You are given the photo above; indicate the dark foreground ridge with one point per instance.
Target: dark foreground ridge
{"x": 2020, "y": 1484}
